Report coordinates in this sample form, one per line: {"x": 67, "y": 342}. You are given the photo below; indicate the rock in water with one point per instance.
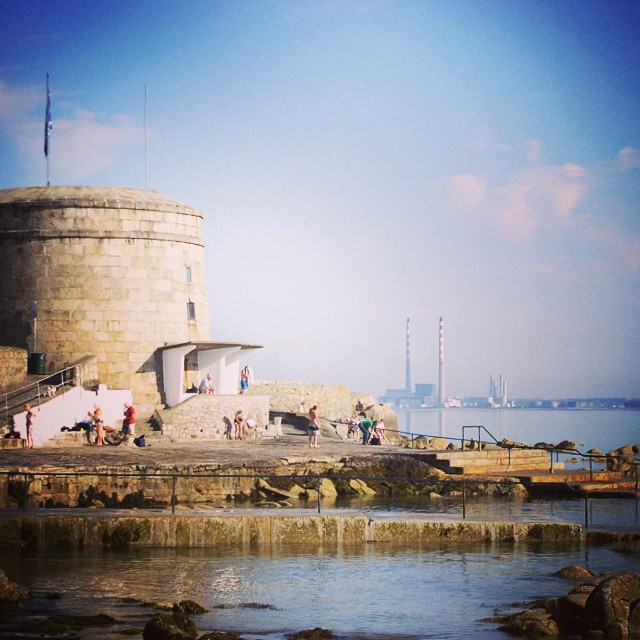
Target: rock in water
{"x": 169, "y": 627}
{"x": 575, "y": 572}
{"x": 612, "y": 603}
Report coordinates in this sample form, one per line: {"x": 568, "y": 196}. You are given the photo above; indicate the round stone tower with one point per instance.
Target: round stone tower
{"x": 105, "y": 271}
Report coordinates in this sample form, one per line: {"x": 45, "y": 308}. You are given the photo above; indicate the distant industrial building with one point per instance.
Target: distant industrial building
{"x": 421, "y": 397}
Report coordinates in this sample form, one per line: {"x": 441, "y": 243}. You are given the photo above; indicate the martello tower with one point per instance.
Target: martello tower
{"x": 113, "y": 272}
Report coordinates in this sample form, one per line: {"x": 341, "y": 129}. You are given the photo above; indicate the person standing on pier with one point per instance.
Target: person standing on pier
{"x": 314, "y": 427}
{"x": 29, "y": 424}
{"x": 129, "y": 423}
{"x": 238, "y": 423}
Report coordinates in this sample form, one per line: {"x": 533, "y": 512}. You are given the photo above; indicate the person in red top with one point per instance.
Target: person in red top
{"x": 129, "y": 423}
{"x": 314, "y": 427}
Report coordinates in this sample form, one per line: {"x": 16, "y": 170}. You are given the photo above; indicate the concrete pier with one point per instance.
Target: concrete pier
{"x": 89, "y": 529}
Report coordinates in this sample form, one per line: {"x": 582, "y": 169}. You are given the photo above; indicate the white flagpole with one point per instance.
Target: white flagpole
{"x": 146, "y": 155}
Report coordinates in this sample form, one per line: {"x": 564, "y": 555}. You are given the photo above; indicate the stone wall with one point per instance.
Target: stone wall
{"x": 13, "y": 366}
{"x": 335, "y": 402}
{"x": 207, "y": 417}
{"x": 192, "y": 531}
{"x": 114, "y": 272}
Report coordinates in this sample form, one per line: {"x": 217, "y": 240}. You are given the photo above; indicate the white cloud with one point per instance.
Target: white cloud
{"x": 542, "y": 195}
{"x": 628, "y": 158}
{"x": 465, "y": 191}
{"x": 88, "y": 143}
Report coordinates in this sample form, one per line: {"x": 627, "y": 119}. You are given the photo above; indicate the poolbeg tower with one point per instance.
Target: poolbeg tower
{"x": 105, "y": 271}
{"x": 408, "y": 362}
{"x": 442, "y": 397}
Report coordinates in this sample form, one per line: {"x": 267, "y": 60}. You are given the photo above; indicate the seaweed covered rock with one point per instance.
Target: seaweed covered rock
{"x": 530, "y": 623}
{"x": 318, "y": 633}
{"x": 10, "y": 593}
{"x": 174, "y": 626}
{"x": 575, "y": 572}
{"x": 614, "y": 605}
{"x": 604, "y": 607}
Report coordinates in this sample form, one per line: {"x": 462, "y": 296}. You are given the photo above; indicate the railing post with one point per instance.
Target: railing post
{"x": 586, "y": 510}
{"x": 464, "y": 499}
{"x": 551, "y": 468}
{"x": 590, "y": 467}
{"x": 173, "y": 493}
{"x": 319, "y": 494}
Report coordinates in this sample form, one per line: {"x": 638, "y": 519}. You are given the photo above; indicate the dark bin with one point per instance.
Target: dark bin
{"x": 37, "y": 364}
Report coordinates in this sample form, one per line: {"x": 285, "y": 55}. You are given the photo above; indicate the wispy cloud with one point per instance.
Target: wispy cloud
{"x": 89, "y": 143}
{"x": 554, "y": 196}
{"x": 628, "y": 158}
{"x": 542, "y": 195}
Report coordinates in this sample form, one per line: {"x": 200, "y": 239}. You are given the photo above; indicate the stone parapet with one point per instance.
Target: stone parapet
{"x": 335, "y": 402}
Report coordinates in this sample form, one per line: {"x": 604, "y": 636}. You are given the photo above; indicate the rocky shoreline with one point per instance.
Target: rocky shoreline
{"x": 605, "y": 606}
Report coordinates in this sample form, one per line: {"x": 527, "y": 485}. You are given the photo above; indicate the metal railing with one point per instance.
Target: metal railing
{"x": 40, "y": 391}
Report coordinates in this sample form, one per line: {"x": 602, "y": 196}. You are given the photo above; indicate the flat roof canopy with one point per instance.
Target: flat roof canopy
{"x": 220, "y": 359}
{"x": 208, "y": 346}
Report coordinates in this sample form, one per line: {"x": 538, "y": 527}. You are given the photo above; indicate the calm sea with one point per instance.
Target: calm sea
{"x": 366, "y": 591}
{"x": 604, "y": 429}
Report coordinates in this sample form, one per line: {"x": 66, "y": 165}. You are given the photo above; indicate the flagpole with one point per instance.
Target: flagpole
{"x": 146, "y": 155}
{"x": 48, "y": 125}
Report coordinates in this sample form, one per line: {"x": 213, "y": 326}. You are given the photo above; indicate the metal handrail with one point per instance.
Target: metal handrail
{"x": 480, "y": 428}
{"x": 32, "y": 393}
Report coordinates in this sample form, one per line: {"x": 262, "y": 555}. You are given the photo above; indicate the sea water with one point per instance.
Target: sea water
{"x": 604, "y": 429}
{"x": 359, "y": 591}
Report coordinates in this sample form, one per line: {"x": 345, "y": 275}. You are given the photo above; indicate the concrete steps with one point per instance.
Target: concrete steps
{"x": 602, "y": 484}
{"x": 491, "y": 461}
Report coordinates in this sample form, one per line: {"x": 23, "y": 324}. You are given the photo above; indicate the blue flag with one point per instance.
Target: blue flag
{"x": 48, "y": 122}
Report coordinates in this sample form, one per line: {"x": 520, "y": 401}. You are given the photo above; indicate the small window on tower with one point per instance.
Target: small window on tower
{"x": 187, "y": 273}
{"x": 191, "y": 311}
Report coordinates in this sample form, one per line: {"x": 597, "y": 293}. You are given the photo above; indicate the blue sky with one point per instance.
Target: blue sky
{"x": 360, "y": 163}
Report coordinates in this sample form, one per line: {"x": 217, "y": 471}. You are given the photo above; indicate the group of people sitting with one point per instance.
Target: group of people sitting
{"x": 94, "y": 423}
{"x": 207, "y": 386}
{"x": 372, "y": 431}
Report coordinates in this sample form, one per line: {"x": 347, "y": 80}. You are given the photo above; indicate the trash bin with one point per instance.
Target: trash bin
{"x": 37, "y": 364}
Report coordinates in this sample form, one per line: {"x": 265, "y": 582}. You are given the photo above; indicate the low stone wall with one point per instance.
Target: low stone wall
{"x": 335, "y": 402}
{"x": 193, "y": 531}
{"x": 207, "y": 417}
{"x": 13, "y": 367}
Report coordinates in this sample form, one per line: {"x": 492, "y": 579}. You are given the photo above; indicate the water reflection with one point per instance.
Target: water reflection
{"x": 367, "y": 589}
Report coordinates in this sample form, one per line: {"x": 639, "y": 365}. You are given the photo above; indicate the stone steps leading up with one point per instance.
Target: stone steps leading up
{"x": 488, "y": 461}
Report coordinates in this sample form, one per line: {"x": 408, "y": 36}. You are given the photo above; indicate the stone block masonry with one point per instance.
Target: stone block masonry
{"x": 335, "y": 401}
{"x": 13, "y": 366}
{"x": 206, "y": 417}
{"x": 115, "y": 272}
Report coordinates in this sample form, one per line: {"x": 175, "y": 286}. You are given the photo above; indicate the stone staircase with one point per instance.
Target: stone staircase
{"x": 491, "y": 461}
